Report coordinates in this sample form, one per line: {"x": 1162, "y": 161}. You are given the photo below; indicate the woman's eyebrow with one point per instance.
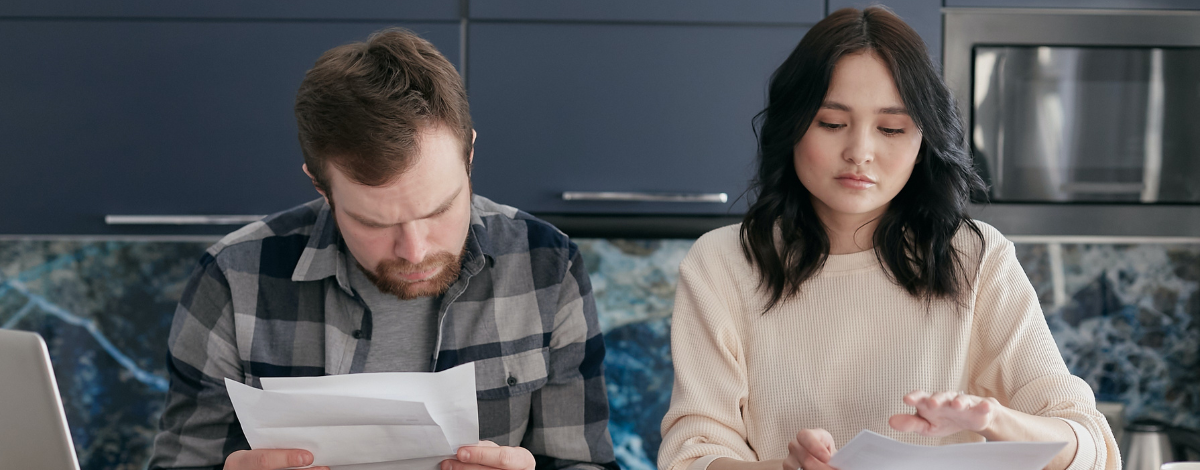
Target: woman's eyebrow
{"x": 835, "y": 105}
{"x": 901, "y": 110}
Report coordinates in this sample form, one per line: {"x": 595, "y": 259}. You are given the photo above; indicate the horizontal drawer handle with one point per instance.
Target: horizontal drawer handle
{"x": 181, "y": 219}
{"x": 644, "y": 197}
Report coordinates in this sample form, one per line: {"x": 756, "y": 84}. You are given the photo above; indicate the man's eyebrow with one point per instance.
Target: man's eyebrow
{"x": 445, "y": 205}
{"x": 440, "y": 209}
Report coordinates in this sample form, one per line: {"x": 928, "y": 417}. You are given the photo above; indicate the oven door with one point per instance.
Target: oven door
{"x": 1082, "y": 122}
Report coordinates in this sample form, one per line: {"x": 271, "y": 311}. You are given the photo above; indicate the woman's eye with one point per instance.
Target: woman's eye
{"x": 889, "y": 131}
{"x": 828, "y": 125}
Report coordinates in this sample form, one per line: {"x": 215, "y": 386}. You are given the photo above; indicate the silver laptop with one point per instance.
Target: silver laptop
{"x": 33, "y": 427}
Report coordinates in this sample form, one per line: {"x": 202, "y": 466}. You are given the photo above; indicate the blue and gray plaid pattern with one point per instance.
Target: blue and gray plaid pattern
{"x": 273, "y": 299}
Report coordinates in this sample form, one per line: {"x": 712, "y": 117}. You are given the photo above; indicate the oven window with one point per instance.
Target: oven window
{"x": 1087, "y": 124}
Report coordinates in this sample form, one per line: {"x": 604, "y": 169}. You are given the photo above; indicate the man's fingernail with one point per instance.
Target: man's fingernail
{"x": 466, "y": 455}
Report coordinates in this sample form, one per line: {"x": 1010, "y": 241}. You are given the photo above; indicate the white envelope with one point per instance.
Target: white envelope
{"x": 363, "y": 421}
{"x": 872, "y": 451}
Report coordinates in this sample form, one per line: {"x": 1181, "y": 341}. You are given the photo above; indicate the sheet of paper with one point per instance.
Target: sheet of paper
{"x": 872, "y": 451}
{"x": 408, "y": 421}
{"x": 449, "y": 395}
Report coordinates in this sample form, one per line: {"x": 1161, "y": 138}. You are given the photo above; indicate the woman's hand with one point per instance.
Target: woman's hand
{"x": 811, "y": 450}
{"x": 944, "y": 413}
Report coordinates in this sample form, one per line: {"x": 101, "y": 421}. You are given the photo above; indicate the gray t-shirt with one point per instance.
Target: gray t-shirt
{"x": 403, "y": 332}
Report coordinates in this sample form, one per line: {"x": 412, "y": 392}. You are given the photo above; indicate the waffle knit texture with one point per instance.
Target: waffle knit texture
{"x": 842, "y": 353}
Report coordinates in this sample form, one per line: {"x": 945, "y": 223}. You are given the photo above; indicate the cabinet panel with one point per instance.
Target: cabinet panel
{"x": 589, "y": 107}
{"x": 447, "y": 10}
{"x": 1136, "y": 4}
{"x": 723, "y": 11}
{"x": 116, "y": 117}
{"x": 924, "y": 16}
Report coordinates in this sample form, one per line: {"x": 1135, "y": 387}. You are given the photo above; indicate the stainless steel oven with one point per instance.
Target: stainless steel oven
{"x": 1082, "y": 122}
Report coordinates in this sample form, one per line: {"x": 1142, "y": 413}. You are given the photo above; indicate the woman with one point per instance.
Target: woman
{"x": 857, "y": 293}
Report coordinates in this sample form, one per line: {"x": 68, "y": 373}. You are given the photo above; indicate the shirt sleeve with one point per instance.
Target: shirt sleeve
{"x": 1015, "y": 360}
{"x": 705, "y": 420}
{"x": 198, "y": 427}
{"x": 559, "y": 435}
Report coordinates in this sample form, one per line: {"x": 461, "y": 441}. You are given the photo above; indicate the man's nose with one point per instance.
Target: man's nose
{"x": 410, "y": 243}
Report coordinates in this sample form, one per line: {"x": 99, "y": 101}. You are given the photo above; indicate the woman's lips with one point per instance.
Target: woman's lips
{"x": 853, "y": 181}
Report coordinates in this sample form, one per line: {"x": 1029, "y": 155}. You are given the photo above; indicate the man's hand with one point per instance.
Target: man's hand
{"x": 488, "y": 456}
{"x": 270, "y": 459}
{"x": 811, "y": 450}
{"x": 944, "y": 413}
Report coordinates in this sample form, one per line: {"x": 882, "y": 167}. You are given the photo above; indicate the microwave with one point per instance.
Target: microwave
{"x": 1081, "y": 122}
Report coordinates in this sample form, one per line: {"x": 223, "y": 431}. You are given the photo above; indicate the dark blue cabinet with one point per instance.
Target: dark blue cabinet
{"x": 104, "y": 117}
{"x": 377, "y": 10}
{"x": 713, "y": 11}
{"x": 618, "y": 107}
{"x": 1131, "y": 4}
{"x": 925, "y": 16}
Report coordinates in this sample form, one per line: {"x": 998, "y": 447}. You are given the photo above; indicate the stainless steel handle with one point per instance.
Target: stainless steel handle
{"x": 644, "y": 197}
{"x": 180, "y": 219}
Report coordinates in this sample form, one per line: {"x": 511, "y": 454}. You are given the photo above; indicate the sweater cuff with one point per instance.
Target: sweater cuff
{"x": 702, "y": 462}
{"x": 1085, "y": 449}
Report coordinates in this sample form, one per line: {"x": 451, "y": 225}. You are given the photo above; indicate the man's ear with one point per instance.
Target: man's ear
{"x": 314, "y": 182}
{"x": 471, "y": 157}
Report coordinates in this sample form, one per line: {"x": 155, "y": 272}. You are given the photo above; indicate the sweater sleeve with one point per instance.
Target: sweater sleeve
{"x": 1014, "y": 359}
{"x": 705, "y": 420}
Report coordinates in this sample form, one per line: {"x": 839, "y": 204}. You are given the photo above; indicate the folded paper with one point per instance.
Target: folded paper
{"x": 407, "y": 420}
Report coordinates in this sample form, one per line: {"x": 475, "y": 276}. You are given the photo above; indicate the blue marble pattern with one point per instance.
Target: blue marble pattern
{"x": 1126, "y": 319}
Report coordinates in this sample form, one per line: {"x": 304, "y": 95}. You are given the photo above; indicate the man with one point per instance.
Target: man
{"x": 397, "y": 267}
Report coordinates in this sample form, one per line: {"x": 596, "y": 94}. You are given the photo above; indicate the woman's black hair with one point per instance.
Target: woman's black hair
{"x": 781, "y": 233}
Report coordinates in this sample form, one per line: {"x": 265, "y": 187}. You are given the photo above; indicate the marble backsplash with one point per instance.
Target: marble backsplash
{"x": 1126, "y": 318}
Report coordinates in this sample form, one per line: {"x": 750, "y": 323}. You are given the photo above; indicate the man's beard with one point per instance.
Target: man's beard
{"x": 386, "y": 275}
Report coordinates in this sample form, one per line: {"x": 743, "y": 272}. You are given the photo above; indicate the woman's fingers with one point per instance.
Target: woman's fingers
{"x": 818, "y": 443}
{"x": 909, "y": 423}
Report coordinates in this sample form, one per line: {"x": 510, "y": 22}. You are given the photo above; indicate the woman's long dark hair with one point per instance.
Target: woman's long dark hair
{"x": 913, "y": 238}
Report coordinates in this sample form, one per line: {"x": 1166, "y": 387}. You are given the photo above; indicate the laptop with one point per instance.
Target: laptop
{"x": 33, "y": 427}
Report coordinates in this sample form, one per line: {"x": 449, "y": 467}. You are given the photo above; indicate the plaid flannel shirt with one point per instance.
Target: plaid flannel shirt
{"x": 273, "y": 300}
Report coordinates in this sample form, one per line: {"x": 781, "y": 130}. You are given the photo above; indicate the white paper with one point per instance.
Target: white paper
{"x": 406, "y": 420}
{"x": 871, "y": 451}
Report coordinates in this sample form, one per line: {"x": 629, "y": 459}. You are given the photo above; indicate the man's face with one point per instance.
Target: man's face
{"x": 409, "y": 235}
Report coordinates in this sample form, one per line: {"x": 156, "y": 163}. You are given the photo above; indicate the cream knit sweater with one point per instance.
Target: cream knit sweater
{"x": 842, "y": 353}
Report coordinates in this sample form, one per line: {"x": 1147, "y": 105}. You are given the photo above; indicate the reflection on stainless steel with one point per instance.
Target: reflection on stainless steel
{"x": 181, "y": 219}
{"x": 644, "y": 197}
{"x": 1087, "y": 124}
{"x": 1095, "y": 112}
{"x": 1152, "y": 167}
{"x": 1103, "y": 188}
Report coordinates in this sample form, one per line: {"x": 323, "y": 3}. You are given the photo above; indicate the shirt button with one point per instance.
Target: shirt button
{"x": 357, "y": 334}
{"x": 512, "y": 381}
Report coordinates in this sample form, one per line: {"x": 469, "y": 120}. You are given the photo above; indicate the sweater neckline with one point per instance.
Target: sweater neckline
{"x": 850, "y": 262}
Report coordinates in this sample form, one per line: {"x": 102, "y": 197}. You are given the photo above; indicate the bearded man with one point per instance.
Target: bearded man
{"x": 398, "y": 267}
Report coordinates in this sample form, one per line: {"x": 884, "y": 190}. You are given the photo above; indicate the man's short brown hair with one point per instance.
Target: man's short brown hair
{"x": 362, "y": 106}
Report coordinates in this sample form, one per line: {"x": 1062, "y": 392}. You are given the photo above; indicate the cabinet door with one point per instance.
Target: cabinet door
{"x": 1135, "y": 4}
{"x": 373, "y": 10}
{"x": 721, "y": 11}
{"x": 924, "y": 16}
{"x": 610, "y": 107}
{"x": 148, "y": 117}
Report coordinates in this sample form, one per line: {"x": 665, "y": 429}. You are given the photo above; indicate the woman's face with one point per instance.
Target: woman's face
{"x": 861, "y": 147}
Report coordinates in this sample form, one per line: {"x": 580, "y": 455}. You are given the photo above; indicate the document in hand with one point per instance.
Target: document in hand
{"x": 871, "y": 451}
{"x": 407, "y": 420}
